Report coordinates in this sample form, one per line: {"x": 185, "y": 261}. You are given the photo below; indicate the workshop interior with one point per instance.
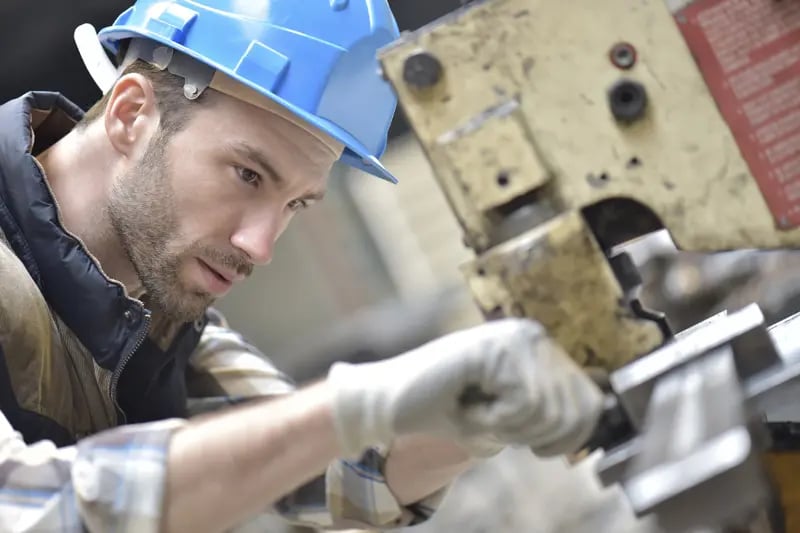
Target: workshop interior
{"x": 627, "y": 173}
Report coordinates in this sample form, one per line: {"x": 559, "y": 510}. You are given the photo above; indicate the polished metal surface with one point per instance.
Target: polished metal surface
{"x": 698, "y": 407}
{"x": 697, "y": 447}
{"x": 633, "y": 383}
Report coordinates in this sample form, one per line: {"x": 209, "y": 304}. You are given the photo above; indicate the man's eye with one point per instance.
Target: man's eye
{"x": 296, "y": 205}
{"x": 248, "y": 176}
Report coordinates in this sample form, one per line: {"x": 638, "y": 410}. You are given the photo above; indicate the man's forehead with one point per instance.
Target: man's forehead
{"x": 227, "y": 85}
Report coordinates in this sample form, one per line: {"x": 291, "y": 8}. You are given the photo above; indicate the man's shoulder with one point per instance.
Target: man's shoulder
{"x": 50, "y": 114}
{"x": 43, "y": 100}
{"x": 23, "y": 309}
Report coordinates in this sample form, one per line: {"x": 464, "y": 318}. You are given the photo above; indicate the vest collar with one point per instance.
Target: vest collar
{"x": 95, "y": 308}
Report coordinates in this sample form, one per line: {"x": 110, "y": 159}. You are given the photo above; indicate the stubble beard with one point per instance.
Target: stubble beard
{"x": 141, "y": 210}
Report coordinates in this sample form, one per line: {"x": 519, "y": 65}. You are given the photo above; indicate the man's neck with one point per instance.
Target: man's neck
{"x": 80, "y": 169}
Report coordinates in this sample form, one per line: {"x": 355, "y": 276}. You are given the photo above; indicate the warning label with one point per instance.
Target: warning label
{"x": 749, "y": 54}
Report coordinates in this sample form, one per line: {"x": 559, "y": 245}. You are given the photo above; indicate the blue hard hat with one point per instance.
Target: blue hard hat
{"x": 318, "y": 58}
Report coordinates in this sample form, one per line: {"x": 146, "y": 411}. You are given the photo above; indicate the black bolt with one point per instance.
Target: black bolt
{"x": 422, "y": 70}
{"x": 628, "y": 100}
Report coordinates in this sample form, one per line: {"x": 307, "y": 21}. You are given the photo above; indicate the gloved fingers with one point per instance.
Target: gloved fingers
{"x": 510, "y": 408}
{"x": 576, "y": 433}
{"x": 545, "y": 422}
{"x": 567, "y": 403}
{"x": 579, "y": 419}
{"x": 523, "y": 376}
{"x": 587, "y": 397}
{"x": 512, "y": 384}
{"x": 570, "y": 442}
{"x": 534, "y": 410}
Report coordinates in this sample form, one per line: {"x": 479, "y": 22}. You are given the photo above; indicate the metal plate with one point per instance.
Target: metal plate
{"x": 558, "y": 275}
{"x": 680, "y": 160}
{"x": 749, "y": 54}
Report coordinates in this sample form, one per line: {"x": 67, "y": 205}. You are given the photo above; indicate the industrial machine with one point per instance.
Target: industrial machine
{"x": 558, "y": 132}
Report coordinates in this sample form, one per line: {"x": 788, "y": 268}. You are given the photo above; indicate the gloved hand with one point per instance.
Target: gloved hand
{"x": 500, "y": 383}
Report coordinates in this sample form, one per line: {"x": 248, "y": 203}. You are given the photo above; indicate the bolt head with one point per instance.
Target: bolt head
{"x": 422, "y": 70}
{"x": 190, "y": 91}
{"x": 627, "y": 100}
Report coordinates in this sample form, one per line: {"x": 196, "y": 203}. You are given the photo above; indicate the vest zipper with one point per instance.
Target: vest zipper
{"x": 124, "y": 361}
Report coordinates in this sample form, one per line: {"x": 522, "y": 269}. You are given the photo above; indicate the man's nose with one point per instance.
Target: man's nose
{"x": 257, "y": 239}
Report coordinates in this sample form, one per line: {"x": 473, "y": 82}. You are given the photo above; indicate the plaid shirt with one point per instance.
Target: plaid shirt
{"x": 114, "y": 481}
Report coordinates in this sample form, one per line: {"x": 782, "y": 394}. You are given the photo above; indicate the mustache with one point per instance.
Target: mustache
{"x": 234, "y": 261}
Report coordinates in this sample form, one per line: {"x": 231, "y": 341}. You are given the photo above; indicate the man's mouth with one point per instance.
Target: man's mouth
{"x": 218, "y": 281}
{"x": 220, "y": 274}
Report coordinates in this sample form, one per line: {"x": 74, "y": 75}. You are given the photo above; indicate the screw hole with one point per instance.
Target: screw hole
{"x": 634, "y": 162}
{"x": 626, "y": 97}
{"x": 503, "y": 179}
{"x": 604, "y": 177}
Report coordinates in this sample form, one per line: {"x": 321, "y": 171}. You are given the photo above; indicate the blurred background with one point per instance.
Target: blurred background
{"x": 373, "y": 271}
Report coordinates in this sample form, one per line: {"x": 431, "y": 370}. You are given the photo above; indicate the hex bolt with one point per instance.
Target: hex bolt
{"x": 628, "y": 100}
{"x": 422, "y": 70}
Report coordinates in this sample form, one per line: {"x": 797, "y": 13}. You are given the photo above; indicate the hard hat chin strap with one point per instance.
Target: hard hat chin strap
{"x": 94, "y": 58}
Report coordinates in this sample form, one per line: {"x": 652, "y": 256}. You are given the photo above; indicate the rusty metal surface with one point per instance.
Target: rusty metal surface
{"x": 537, "y": 114}
{"x": 559, "y": 130}
{"x": 549, "y": 63}
{"x": 557, "y": 273}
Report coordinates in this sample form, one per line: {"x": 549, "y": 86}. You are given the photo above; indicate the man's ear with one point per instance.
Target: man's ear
{"x": 131, "y": 115}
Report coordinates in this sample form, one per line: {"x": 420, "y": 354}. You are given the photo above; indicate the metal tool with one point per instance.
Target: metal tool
{"x": 694, "y": 459}
{"x": 559, "y": 131}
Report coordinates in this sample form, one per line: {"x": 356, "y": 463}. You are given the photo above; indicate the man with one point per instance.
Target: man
{"x": 121, "y": 227}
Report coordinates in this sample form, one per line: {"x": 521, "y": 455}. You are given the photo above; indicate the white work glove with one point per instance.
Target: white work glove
{"x": 529, "y": 392}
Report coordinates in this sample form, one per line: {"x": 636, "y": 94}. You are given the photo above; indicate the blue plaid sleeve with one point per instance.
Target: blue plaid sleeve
{"x": 113, "y": 481}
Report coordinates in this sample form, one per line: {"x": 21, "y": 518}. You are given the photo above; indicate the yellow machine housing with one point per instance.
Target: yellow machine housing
{"x": 510, "y": 99}
{"x": 560, "y": 130}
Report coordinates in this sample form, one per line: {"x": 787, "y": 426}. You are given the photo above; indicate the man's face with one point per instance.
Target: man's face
{"x": 202, "y": 206}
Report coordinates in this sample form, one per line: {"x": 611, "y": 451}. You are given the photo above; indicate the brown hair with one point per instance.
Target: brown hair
{"x": 173, "y": 106}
